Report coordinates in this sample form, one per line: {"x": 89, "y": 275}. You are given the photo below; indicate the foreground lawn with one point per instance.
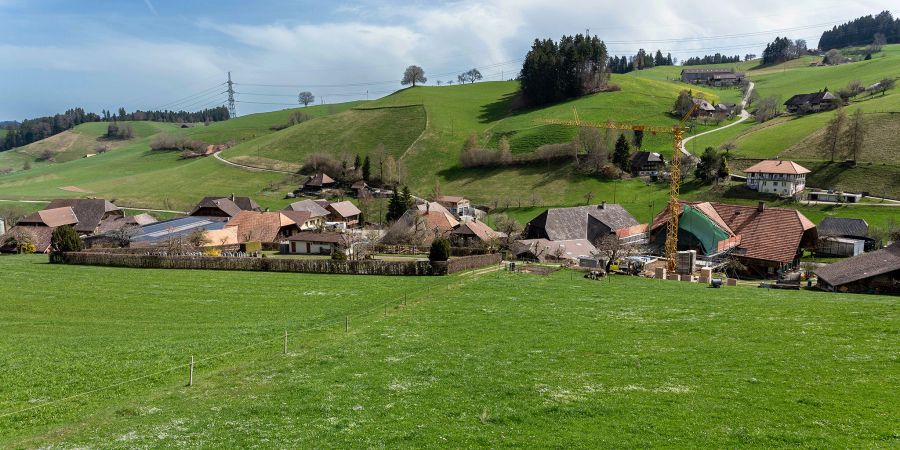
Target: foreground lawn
{"x": 494, "y": 360}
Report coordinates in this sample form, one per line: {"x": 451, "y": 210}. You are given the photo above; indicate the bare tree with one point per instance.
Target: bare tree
{"x": 510, "y": 230}
{"x": 588, "y": 196}
{"x": 305, "y": 98}
{"x": 856, "y": 134}
{"x": 12, "y": 214}
{"x": 612, "y": 248}
{"x": 832, "y": 136}
{"x": 767, "y": 108}
{"x": 123, "y": 235}
{"x": 413, "y": 74}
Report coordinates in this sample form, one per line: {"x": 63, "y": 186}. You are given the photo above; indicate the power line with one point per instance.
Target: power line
{"x": 232, "y": 111}
{"x": 188, "y": 98}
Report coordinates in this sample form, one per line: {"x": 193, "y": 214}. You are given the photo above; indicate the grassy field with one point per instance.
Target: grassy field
{"x": 491, "y": 360}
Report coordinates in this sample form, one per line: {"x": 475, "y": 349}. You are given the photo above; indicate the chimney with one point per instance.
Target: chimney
{"x": 602, "y": 205}
{"x": 427, "y": 207}
{"x": 232, "y": 196}
{"x": 761, "y": 206}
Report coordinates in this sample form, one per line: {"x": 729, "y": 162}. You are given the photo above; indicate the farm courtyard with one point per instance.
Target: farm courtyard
{"x": 98, "y": 357}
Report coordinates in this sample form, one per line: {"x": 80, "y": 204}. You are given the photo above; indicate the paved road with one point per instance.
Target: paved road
{"x": 744, "y": 115}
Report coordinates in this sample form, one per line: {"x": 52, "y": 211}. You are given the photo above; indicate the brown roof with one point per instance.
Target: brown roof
{"x": 773, "y": 234}
{"x": 89, "y": 211}
{"x": 259, "y": 226}
{"x": 310, "y": 206}
{"x": 476, "y": 228}
{"x": 54, "y": 217}
{"x": 319, "y": 180}
{"x": 450, "y": 199}
{"x": 312, "y": 236}
{"x": 40, "y": 237}
{"x": 777, "y": 166}
{"x": 223, "y": 204}
{"x": 298, "y": 217}
{"x": 861, "y": 266}
{"x": 344, "y": 209}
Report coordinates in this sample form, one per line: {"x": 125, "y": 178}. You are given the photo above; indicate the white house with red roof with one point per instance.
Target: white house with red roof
{"x": 774, "y": 176}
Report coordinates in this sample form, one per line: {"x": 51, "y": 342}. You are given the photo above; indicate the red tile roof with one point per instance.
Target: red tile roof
{"x": 53, "y": 217}
{"x": 777, "y": 166}
{"x": 259, "y": 226}
{"x": 312, "y": 236}
{"x": 476, "y": 228}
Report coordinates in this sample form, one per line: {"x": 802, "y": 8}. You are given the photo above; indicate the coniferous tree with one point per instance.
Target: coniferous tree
{"x": 622, "y": 153}
{"x": 366, "y": 168}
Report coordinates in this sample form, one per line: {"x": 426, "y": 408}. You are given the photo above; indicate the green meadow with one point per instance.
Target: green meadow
{"x": 487, "y": 360}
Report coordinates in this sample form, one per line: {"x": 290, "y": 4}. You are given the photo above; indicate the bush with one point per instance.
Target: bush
{"x": 251, "y": 247}
{"x": 166, "y": 141}
{"x": 339, "y": 253}
{"x": 440, "y": 250}
{"x": 66, "y": 239}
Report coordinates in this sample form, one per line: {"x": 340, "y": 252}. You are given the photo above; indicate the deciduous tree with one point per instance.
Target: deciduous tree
{"x": 413, "y": 74}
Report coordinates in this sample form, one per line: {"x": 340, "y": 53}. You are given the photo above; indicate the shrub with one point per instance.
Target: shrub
{"x": 66, "y": 239}
{"x": 339, "y": 253}
{"x": 251, "y": 247}
{"x": 440, "y": 250}
{"x": 166, "y": 141}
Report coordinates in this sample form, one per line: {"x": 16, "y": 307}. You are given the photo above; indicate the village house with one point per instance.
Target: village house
{"x": 38, "y": 228}
{"x": 713, "y": 77}
{"x": 703, "y": 109}
{"x": 782, "y": 178}
{"x": 456, "y": 205}
{"x": 647, "y": 164}
{"x": 312, "y": 207}
{"x": 161, "y": 234}
{"x": 810, "y": 103}
{"x": 270, "y": 227}
{"x": 421, "y": 225}
{"x": 344, "y": 212}
{"x": 876, "y": 272}
{"x": 312, "y": 243}
{"x": 544, "y": 250}
{"x": 472, "y": 234}
{"x": 591, "y": 222}
{"x": 92, "y": 213}
{"x": 225, "y": 207}
{"x": 840, "y": 236}
{"x": 766, "y": 240}
{"x": 318, "y": 182}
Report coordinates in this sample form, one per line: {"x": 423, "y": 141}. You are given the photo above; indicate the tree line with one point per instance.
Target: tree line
{"x": 862, "y": 31}
{"x": 641, "y": 60}
{"x": 783, "y": 49}
{"x": 573, "y": 67}
{"x": 33, "y": 130}
{"x": 718, "y": 58}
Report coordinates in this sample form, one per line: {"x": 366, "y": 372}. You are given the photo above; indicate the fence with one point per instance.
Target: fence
{"x": 327, "y": 266}
{"x": 405, "y": 249}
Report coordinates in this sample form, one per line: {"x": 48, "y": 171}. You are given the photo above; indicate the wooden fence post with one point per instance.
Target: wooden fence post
{"x": 347, "y": 324}
{"x": 191, "y": 376}
{"x": 285, "y": 341}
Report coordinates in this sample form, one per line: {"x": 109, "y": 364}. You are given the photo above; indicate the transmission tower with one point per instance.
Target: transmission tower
{"x": 232, "y": 112}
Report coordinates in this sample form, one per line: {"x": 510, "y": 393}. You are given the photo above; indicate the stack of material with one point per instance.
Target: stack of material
{"x": 732, "y": 282}
{"x": 705, "y": 275}
{"x": 685, "y": 261}
{"x": 673, "y": 277}
{"x": 660, "y": 273}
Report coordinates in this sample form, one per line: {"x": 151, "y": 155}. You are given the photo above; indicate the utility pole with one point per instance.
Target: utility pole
{"x": 231, "y": 110}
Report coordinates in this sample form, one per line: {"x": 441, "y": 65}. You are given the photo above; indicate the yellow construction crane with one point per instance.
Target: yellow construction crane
{"x": 677, "y": 132}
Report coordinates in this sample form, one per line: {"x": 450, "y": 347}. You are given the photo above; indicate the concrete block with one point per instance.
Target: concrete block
{"x": 660, "y": 273}
{"x": 731, "y": 282}
{"x": 673, "y": 277}
{"x": 703, "y": 279}
{"x": 706, "y": 272}
{"x": 688, "y": 278}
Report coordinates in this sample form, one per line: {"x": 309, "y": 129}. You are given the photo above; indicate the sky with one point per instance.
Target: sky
{"x": 163, "y": 54}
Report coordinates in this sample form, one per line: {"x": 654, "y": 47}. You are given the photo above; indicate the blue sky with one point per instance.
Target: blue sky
{"x": 152, "y": 53}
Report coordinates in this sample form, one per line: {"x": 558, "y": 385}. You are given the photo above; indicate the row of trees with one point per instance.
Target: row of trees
{"x": 379, "y": 167}
{"x": 641, "y": 60}
{"x": 862, "y": 31}
{"x": 576, "y": 66}
{"x": 718, "y": 58}
{"x": 33, "y": 130}
{"x": 783, "y": 49}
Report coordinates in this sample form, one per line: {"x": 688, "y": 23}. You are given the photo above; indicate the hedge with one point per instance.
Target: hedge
{"x": 366, "y": 267}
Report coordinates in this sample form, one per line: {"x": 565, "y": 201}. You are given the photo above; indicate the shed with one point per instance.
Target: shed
{"x": 840, "y": 246}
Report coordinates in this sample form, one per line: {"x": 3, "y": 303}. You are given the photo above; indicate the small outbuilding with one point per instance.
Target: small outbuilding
{"x": 876, "y": 272}
{"x": 312, "y": 243}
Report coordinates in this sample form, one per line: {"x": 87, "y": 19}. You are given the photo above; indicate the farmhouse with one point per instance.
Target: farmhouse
{"x": 714, "y": 77}
{"x": 765, "y": 240}
{"x": 421, "y": 225}
{"x": 473, "y": 233}
{"x": 647, "y": 164}
{"x": 160, "y": 234}
{"x": 223, "y": 206}
{"x": 312, "y": 243}
{"x": 50, "y": 218}
{"x": 782, "y": 178}
{"x": 314, "y": 209}
{"x": 543, "y": 250}
{"x": 814, "y": 102}
{"x": 318, "y": 182}
{"x": 344, "y": 212}
{"x": 91, "y": 213}
{"x": 263, "y": 226}
{"x": 585, "y": 222}
{"x": 877, "y": 272}
{"x": 856, "y": 230}
{"x": 456, "y": 205}
{"x": 704, "y": 108}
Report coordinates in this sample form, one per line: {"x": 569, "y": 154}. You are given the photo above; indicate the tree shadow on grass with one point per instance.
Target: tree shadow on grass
{"x": 508, "y": 105}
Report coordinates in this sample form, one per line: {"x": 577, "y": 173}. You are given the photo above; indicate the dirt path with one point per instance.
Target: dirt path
{"x": 218, "y": 156}
{"x": 743, "y": 116}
